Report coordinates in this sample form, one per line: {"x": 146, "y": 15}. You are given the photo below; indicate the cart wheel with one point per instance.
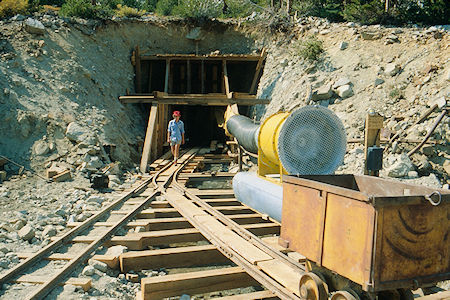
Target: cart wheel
{"x": 312, "y": 287}
{"x": 345, "y": 295}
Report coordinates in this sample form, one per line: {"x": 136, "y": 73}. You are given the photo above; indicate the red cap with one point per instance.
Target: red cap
{"x": 176, "y": 113}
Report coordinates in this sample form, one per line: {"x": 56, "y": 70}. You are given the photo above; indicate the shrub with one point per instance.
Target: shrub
{"x": 85, "y": 9}
{"x": 199, "y": 9}
{"x": 364, "y": 12}
{"x": 310, "y": 49}
{"x": 165, "y": 7}
{"x": 129, "y": 12}
{"x": 330, "y": 9}
{"x": 396, "y": 93}
{"x": 10, "y": 8}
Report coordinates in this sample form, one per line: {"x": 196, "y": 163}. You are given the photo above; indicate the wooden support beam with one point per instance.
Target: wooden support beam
{"x": 54, "y": 256}
{"x": 374, "y": 123}
{"x": 188, "y": 77}
{"x": 258, "y": 69}
{"x": 146, "y": 152}
{"x": 84, "y": 283}
{"x": 226, "y": 83}
{"x": 193, "y": 57}
{"x": 138, "y": 70}
{"x": 195, "y": 283}
{"x": 283, "y": 273}
{"x": 196, "y": 99}
{"x": 166, "y": 78}
{"x": 111, "y": 260}
{"x": 171, "y": 258}
{"x": 141, "y": 240}
{"x": 158, "y": 213}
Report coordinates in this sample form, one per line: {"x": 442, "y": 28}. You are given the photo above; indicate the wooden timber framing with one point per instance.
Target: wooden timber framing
{"x": 151, "y": 128}
{"x": 182, "y": 75}
{"x": 195, "y": 99}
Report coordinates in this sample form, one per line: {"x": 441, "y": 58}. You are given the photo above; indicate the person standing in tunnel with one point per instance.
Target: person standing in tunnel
{"x": 175, "y": 135}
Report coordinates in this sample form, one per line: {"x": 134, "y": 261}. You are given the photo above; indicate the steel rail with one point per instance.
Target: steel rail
{"x": 234, "y": 256}
{"x": 247, "y": 235}
{"x": 21, "y": 267}
{"x": 48, "y": 286}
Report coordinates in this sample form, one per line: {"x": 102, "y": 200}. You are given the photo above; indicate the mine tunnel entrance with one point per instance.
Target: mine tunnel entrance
{"x": 201, "y": 87}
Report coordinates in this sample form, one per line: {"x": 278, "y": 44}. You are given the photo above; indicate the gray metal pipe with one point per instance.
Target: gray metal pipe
{"x": 245, "y": 131}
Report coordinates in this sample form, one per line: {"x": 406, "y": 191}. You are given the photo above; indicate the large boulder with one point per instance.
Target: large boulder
{"x": 75, "y": 132}
{"x": 34, "y": 26}
{"x": 323, "y": 93}
{"x": 26, "y": 233}
{"x": 401, "y": 167}
{"x": 392, "y": 69}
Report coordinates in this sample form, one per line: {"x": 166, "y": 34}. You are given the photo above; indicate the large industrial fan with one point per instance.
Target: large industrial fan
{"x": 308, "y": 141}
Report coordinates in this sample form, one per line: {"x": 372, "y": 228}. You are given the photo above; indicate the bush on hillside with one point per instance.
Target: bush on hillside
{"x": 165, "y": 7}
{"x": 330, "y": 9}
{"x": 10, "y": 8}
{"x": 310, "y": 49}
{"x": 364, "y": 12}
{"x": 85, "y": 9}
{"x": 129, "y": 12}
{"x": 199, "y": 9}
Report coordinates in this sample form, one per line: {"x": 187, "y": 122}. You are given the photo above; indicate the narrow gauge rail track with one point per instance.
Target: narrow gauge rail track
{"x": 207, "y": 239}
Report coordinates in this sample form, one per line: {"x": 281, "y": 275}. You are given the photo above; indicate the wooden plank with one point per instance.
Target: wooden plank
{"x": 160, "y": 204}
{"x": 166, "y": 78}
{"x": 111, "y": 260}
{"x": 158, "y": 213}
{"x": 268, "y": 295}
{"x": 283, "y": 273}
{"x": 171, "y": 258}
{"x": 225, "y": 79}
{"x": 141, "y": 240}
{"x": 54, "y": 256}
{"x": 195, "y": 282}
{"x": 247, "y": 250}
{"x": 194, "y": 57}
{"x": 258, "y": 71}
{"x": 374, "y": 123}
{"x": 189, "y": 77}
{"x": 196, "y": 100}
{"x": 84, "y": 283}
{"x": 272, "y": 241}
{"x": 297, "y": 257}
{"x": 148, "y": 138}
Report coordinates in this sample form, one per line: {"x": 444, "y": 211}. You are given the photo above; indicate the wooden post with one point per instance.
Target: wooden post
{"x": 225, "y": 79}
{"x": 188, "y": 77}
{"x": 138, "y": 70}
{"x": 374, "y": 123}
{"x": 258, "y": 71}
{"x": 146, "y": 152}
{"x": 166, "y": 80}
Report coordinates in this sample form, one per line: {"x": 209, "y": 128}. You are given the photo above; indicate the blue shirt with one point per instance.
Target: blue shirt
{"x": 175, "y": 130}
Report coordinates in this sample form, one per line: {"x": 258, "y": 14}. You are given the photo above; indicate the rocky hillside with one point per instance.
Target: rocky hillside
{"x": 398, "y": 72}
